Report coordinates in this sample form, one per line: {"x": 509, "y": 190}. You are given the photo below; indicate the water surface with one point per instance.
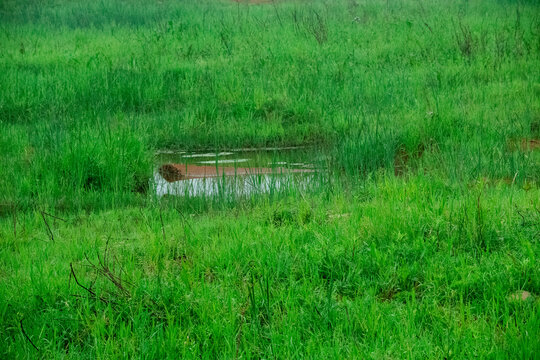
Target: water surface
{"x": 242, "y": 171}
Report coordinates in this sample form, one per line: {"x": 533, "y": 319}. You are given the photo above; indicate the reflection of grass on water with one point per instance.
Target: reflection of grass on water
{"x": 419, "y": 240}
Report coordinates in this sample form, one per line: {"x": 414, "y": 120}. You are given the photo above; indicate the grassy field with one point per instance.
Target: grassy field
{"x": 420, "y": 241}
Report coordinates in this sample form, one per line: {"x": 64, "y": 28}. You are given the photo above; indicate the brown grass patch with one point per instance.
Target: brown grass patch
{"x": 524, "y": 144}
{"x": 403, "y": 158}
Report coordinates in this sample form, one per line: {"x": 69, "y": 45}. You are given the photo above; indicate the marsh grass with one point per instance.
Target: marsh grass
{"x": 412, "y": 244}
{"x": 248, "y": 280}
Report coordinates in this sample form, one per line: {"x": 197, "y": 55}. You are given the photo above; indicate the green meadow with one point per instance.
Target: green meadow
{"x": 419, "y": 239}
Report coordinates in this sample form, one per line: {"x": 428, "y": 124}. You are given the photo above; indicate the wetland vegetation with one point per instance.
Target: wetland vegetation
{"x": 419, "y": 239}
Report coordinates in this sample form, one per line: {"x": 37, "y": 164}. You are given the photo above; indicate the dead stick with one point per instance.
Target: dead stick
{"x": 84, "y": 287}
{"x": 185, "y": 220}
{"x": 162, "y": 226}
{"x": 26, "y": 336}
{"x": 15, "y": 222}
{"x": 51, "y": 235}
{"x": 54, "y": 216}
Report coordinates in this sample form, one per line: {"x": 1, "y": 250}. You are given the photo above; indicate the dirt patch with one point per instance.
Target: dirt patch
{"x": 403, "y": 158}
{"x": 520, "y": 296}
{"x": 533, "y": 144}
{"x": 177, "y": 172}
{"x": 524, "y": 144}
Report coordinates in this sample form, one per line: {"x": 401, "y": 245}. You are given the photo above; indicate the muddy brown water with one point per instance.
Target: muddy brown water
{"x": 241, "y": 171}
{"x": 178, "y": 172}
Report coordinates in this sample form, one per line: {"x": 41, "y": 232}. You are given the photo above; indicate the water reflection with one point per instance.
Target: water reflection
{"x": 239, "y": 172}
{"x": 239, "y": 185}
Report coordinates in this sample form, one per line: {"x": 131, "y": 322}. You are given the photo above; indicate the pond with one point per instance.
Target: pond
{"x": 239, "y": 171}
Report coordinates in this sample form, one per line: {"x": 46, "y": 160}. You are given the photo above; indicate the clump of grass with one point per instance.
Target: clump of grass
{"x": 63, "y": 167}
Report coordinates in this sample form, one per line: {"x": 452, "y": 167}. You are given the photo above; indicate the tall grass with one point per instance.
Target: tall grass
{"x": 377, "y": 77}
{"x": 363, "y": 274}
{"x": 419, "y": 241}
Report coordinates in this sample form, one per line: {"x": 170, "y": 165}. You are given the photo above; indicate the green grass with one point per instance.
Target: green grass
{"x": 417, "y": 269}
{"x": 411, "y": 246}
